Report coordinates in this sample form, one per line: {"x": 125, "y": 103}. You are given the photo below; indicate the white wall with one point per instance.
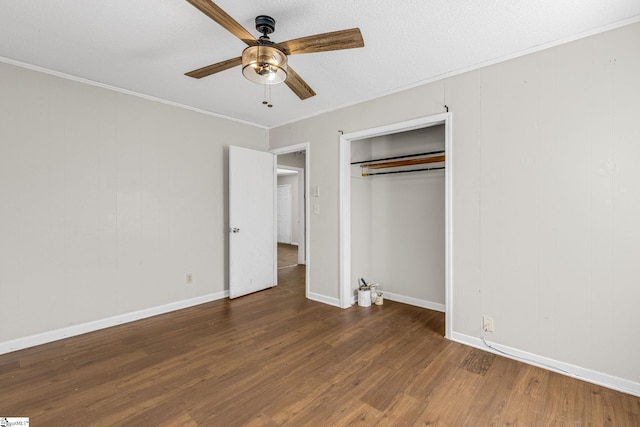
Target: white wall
{"x": 297, "y": 160}
{"x": 546, "y": 197}
{"x": 398, "y": 220}
{"x": 106, "y": 201}
{"x": 292, "y": 180}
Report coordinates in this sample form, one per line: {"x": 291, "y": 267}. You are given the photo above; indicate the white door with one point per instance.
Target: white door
{"x": 284, "y": 213}
{"x": 252, "y": 228}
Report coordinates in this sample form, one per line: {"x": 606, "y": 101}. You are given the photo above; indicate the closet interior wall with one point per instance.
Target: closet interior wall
{"x": 398, "y": 220}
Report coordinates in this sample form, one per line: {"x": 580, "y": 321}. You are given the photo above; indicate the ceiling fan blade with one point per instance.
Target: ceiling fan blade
{"x": 214, "y": 12}
{"x": 297, "y": 85}
{"x": 336, "y": 40}
{"x": 214, "y": 68}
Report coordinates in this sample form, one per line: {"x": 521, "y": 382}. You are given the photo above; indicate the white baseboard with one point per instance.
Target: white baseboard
{"x": 324, "y": 299}
{"x": 295, "y": 244}
{"x": 413, "y": 301}
{"x": 563, "y": 368}
{"x": 70, "y": 331}
{"x": 408, "y": 300}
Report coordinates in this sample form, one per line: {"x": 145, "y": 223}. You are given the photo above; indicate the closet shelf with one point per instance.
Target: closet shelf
{"x": 405, "y": 162}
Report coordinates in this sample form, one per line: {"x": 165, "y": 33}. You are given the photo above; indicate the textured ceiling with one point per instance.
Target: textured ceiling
{"x": 146, "y": 46}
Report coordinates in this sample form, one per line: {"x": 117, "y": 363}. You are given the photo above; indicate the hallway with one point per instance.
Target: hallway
{"x": 291, "y": 275}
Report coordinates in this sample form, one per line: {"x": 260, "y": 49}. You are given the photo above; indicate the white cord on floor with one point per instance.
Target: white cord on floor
{"x": 513, "y": 356}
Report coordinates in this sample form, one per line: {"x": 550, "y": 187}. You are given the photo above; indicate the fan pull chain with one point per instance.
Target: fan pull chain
{"x": 267, "y": 96}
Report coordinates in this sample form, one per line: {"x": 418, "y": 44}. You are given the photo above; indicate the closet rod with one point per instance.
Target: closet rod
{"x": 403, "y": 171}
{"x": 399, "y": 157}
{"x": 405, "y": 162}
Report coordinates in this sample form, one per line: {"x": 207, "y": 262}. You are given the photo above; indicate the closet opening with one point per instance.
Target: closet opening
{"x": 395, "y": 216}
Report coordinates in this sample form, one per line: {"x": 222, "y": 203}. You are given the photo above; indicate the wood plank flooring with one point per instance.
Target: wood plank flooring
{"x": 291, "y": 276}
{"x": 276, "y": 359}
{"x": 287, "y": 255}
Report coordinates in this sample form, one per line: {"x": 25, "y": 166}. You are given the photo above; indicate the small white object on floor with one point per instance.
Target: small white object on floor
{"x": 364, "y": 298}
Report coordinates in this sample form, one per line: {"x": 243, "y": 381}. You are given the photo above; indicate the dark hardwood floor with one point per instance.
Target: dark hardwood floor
{"x": 287, "y": 255}
{"x": 291, "y": 275}
{"x": 274, "y": 358}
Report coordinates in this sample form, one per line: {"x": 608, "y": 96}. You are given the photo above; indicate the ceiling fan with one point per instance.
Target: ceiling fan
{"x": 264, "y": 61}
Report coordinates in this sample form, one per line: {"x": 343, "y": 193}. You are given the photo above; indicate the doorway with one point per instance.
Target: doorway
{"x": 293, "y": 252}
{"x": 346, "y": 286}
{"x": 291, "y": 212}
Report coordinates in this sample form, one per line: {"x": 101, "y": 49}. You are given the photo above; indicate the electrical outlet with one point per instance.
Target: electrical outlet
{"x": 487, "y": 324}
{"x": 188, "y": 278}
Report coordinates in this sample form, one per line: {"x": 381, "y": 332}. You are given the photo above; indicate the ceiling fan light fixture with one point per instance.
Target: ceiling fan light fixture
{"x": 264, "y": 65}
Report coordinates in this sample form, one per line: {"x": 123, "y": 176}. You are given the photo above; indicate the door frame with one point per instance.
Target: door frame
{"x": 306, "y": 147}
{"x": 346, "y": 295}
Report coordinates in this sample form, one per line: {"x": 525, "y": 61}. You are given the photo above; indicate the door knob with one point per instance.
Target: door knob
{"x": 235, "y": 230}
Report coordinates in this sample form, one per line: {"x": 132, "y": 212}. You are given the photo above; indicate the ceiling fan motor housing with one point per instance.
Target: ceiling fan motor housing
{"x": 265, "y": 24}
